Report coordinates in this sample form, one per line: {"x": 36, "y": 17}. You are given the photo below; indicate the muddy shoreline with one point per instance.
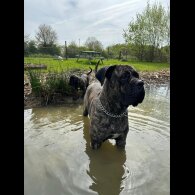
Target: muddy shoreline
{"x": 30, "y": 101}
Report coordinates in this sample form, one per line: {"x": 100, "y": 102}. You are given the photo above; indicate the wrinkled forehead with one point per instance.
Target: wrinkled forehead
{"x": 121, "y": 69}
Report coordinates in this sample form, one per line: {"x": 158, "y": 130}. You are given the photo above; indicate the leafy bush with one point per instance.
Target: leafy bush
{"x": 35, "y": 82}
{"x": 47, "y": 85}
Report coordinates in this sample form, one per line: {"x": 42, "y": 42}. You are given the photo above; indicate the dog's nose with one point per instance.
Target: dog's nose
{"x": 140, "y": 83}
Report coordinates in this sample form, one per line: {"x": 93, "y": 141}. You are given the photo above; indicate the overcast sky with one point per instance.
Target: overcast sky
{"x": 80, "y": 19}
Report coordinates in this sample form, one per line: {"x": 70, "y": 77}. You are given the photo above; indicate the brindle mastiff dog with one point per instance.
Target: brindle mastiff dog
{"x": 107, "y": 104}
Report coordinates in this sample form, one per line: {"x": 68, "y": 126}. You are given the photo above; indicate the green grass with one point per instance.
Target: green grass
{"x": 83, "y": 64}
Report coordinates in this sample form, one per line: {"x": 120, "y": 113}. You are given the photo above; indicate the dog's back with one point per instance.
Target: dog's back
{"x": 93, "y": 91}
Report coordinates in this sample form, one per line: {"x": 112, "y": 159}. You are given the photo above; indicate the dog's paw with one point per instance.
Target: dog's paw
{"x": 85, "y": 112}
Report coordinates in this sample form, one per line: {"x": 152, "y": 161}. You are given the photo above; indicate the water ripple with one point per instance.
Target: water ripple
{"x": 140, "y": 122}
{"x": 59, "y": 159}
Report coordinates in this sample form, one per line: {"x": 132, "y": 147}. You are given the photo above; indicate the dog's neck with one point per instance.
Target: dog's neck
{"x": 110, "y": 100}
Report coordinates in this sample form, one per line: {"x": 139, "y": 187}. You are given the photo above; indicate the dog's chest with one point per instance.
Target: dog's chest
{"x": 116, "y": 128}
{"x": 115, "y": 135}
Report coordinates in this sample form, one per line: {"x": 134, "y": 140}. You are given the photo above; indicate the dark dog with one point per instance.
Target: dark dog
{"x": 107, "y": 105}
{"x": 79, "y": 82}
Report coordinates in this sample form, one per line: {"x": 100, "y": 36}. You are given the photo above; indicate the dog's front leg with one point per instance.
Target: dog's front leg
{"x": 121, "y": 140}
{"x": 96, "y": 142}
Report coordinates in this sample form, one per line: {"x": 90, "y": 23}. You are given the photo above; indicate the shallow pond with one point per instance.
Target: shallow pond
{"x": 58, "y": 159}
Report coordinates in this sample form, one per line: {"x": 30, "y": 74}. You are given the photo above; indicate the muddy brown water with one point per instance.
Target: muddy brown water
{"x": 58, "y": 159}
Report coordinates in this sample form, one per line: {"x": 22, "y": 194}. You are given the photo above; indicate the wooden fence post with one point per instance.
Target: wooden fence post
{"x": 66, "y": 53}
{"x": 108, "y": 53}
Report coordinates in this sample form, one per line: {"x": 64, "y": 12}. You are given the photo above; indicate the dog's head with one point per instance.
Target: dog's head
{"x": 123, "y": 82}
{"x": 73, "y": 81}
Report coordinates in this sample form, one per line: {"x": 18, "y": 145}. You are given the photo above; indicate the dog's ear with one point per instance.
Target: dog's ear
{"x": 105, "y": 72}
{"x": 100, "y": 75}
{"x": 109, "y": 71}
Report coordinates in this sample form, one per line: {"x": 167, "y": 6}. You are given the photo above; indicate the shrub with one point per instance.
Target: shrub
{"x": 48, "y": 85}
{"x": 35, "y": 82}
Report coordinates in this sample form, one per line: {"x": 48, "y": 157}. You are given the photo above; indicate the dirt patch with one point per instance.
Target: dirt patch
{"x": 30, "y": 101}
{"x": 160, "y": 77}
{"x": 34, "y": 66}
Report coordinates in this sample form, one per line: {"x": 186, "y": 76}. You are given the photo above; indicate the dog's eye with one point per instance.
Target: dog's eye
{"x": 135, "y": 74}
{"x": 125, "y": 77}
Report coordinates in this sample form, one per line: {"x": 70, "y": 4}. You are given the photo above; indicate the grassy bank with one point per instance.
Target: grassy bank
{"x": 49, "y": 87}
{"x": 54, "y": 65}
{"x": 54, "y": 85}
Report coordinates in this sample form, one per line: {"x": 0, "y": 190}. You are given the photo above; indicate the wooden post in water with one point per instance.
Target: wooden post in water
{"x": 66, "y": 54}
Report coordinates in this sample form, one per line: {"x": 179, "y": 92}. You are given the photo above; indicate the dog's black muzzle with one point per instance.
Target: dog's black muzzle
{"x": 139, "y": 92}
{"x": 135, "y": 93}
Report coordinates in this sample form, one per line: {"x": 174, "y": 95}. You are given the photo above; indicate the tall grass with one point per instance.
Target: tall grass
{"x": 35, "y": 81}
{"x": 50, "y": 84}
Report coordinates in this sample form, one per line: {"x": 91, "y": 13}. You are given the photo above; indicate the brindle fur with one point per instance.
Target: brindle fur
{"x": 119, "y": 87}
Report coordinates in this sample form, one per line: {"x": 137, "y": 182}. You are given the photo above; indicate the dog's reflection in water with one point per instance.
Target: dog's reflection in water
{"x": 106, "y": 166}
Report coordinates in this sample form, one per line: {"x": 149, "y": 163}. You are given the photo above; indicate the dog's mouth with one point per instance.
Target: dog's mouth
{"x": 140, "y": 97}
{"x": 134, "y": 98}
{"x": 135, "y": 104}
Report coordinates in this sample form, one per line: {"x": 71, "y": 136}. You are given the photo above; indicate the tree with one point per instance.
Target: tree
{"x": 73, "y": 49}
{"x": 156, "y": 26}
{"x": 52, "y": 50}
{"x": 46, "y": 36}
{"x": 116, "y": 49}
{"x": 136, "y": 36}
{"x": 26, "y": 40}
{"x": 149, "y": 29}
{"x": 168, "y": 27}
{"x": 32, "y": 48}
{"x": 93, "y": 44}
